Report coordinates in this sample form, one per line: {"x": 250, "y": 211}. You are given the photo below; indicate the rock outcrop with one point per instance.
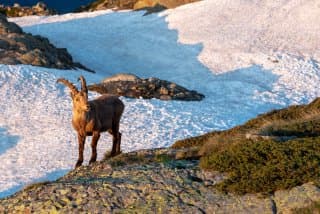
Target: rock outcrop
{"x": 148, "y": 181}
{"x": 133, "y": 4}
{"x": 131, "y": 86}
{"x": 166, "y": 3}
{"x": 17, "y": 47}
{"x": 40, "y": 9}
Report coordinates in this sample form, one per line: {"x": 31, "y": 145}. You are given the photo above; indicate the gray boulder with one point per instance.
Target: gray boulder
{"x": 131, "y": 86}
{"x": 17, "y": 47}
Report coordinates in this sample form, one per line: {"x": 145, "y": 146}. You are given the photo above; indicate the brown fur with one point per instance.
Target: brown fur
{"x": 90, "y": 118}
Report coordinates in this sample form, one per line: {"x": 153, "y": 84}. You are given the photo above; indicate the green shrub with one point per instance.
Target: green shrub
{"x": 266, "y": 165}
{"x": 307, "y": 128}
{"x": 260, "y": 165}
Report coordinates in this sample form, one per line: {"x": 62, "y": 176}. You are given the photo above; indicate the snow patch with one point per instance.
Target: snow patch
{"x": 238, "y": 33}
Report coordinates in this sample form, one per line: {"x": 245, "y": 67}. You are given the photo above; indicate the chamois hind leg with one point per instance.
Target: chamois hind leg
{"x": 118, "y": 151}
{"x": 94, "y": 143}
{"x": 116, "y": 137}
{"x": 114, "y": 145}
{"x": 81, "y": 140}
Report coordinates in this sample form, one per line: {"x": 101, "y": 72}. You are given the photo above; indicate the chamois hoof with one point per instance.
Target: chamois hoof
{"x": 78, "y": 164}
{"x": 113, "y": 154}
{"x": 92, "y": 161}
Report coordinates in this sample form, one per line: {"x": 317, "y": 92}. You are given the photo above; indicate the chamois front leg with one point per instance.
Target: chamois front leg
{"x": 94, "y": 142}
{"x": 81, "y": 140}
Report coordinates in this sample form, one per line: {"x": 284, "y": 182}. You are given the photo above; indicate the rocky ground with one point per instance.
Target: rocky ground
{"x": 40, "y": 9}
{"x": 149, "y": 181}
{"x": 133, "y": 4}
{"x": 17, "y": 47}
{"x": 131, "y": 86}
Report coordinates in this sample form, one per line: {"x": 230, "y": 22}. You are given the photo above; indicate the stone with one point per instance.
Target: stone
{"x": 151, "y": 6}
{"x": 165, "y": 97}
{"x": 297, "y": 197}
{"x": 17, "y": 47}
{"x": 121, "y": 77}
{"x": 131, "y": 86}
{"x": 163, "y": 91}
{"x": 176, "y": 186}
{"x": 17, "y": 10}
{"x": 8, "y": 27}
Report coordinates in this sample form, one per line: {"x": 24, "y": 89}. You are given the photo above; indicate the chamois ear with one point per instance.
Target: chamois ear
{"x": 72, "y": 88}
{"x": 83, "y": 84}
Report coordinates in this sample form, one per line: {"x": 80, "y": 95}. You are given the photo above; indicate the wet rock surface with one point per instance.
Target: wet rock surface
{"x": 147, "y": 181}
{"x": 17, "y": 47}
{"x": 134, "y": 87}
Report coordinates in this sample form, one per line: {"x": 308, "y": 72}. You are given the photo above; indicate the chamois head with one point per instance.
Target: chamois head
{"x": 79, "y": 98}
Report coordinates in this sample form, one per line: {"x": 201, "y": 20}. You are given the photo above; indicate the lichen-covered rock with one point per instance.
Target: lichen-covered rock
{"x": 150, "y": 181}
{"x": 17, "y": 47}
{"x": 131, "y": 86}
{"x": 297, "y": 197}
{"x": 147, "y": 181}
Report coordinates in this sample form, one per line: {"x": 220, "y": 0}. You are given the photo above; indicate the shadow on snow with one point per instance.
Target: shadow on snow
{"x": 7, "y": 141}
{"x": 51, "y": 176}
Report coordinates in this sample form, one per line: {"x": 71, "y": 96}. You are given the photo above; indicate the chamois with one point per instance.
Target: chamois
{"x": 90, "y": 118}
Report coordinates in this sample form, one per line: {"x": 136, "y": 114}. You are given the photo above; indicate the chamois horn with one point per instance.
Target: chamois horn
{"x": 83, "y": 84}
{"x": 73, "y": 89}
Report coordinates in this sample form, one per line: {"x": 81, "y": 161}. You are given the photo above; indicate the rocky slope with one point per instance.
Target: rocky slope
{"x": 171, "y": 181}
{"x": 133, "y": 4}
{"x": 17, "y": 47}
{"x": 40, "y": 9}
{"x": 131, "y": 86}
{"x": 149, "y": 181}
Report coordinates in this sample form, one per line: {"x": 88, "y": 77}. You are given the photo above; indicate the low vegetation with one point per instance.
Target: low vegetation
{"x": 276, "y": 150}
{"x": 266, "y": 165}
